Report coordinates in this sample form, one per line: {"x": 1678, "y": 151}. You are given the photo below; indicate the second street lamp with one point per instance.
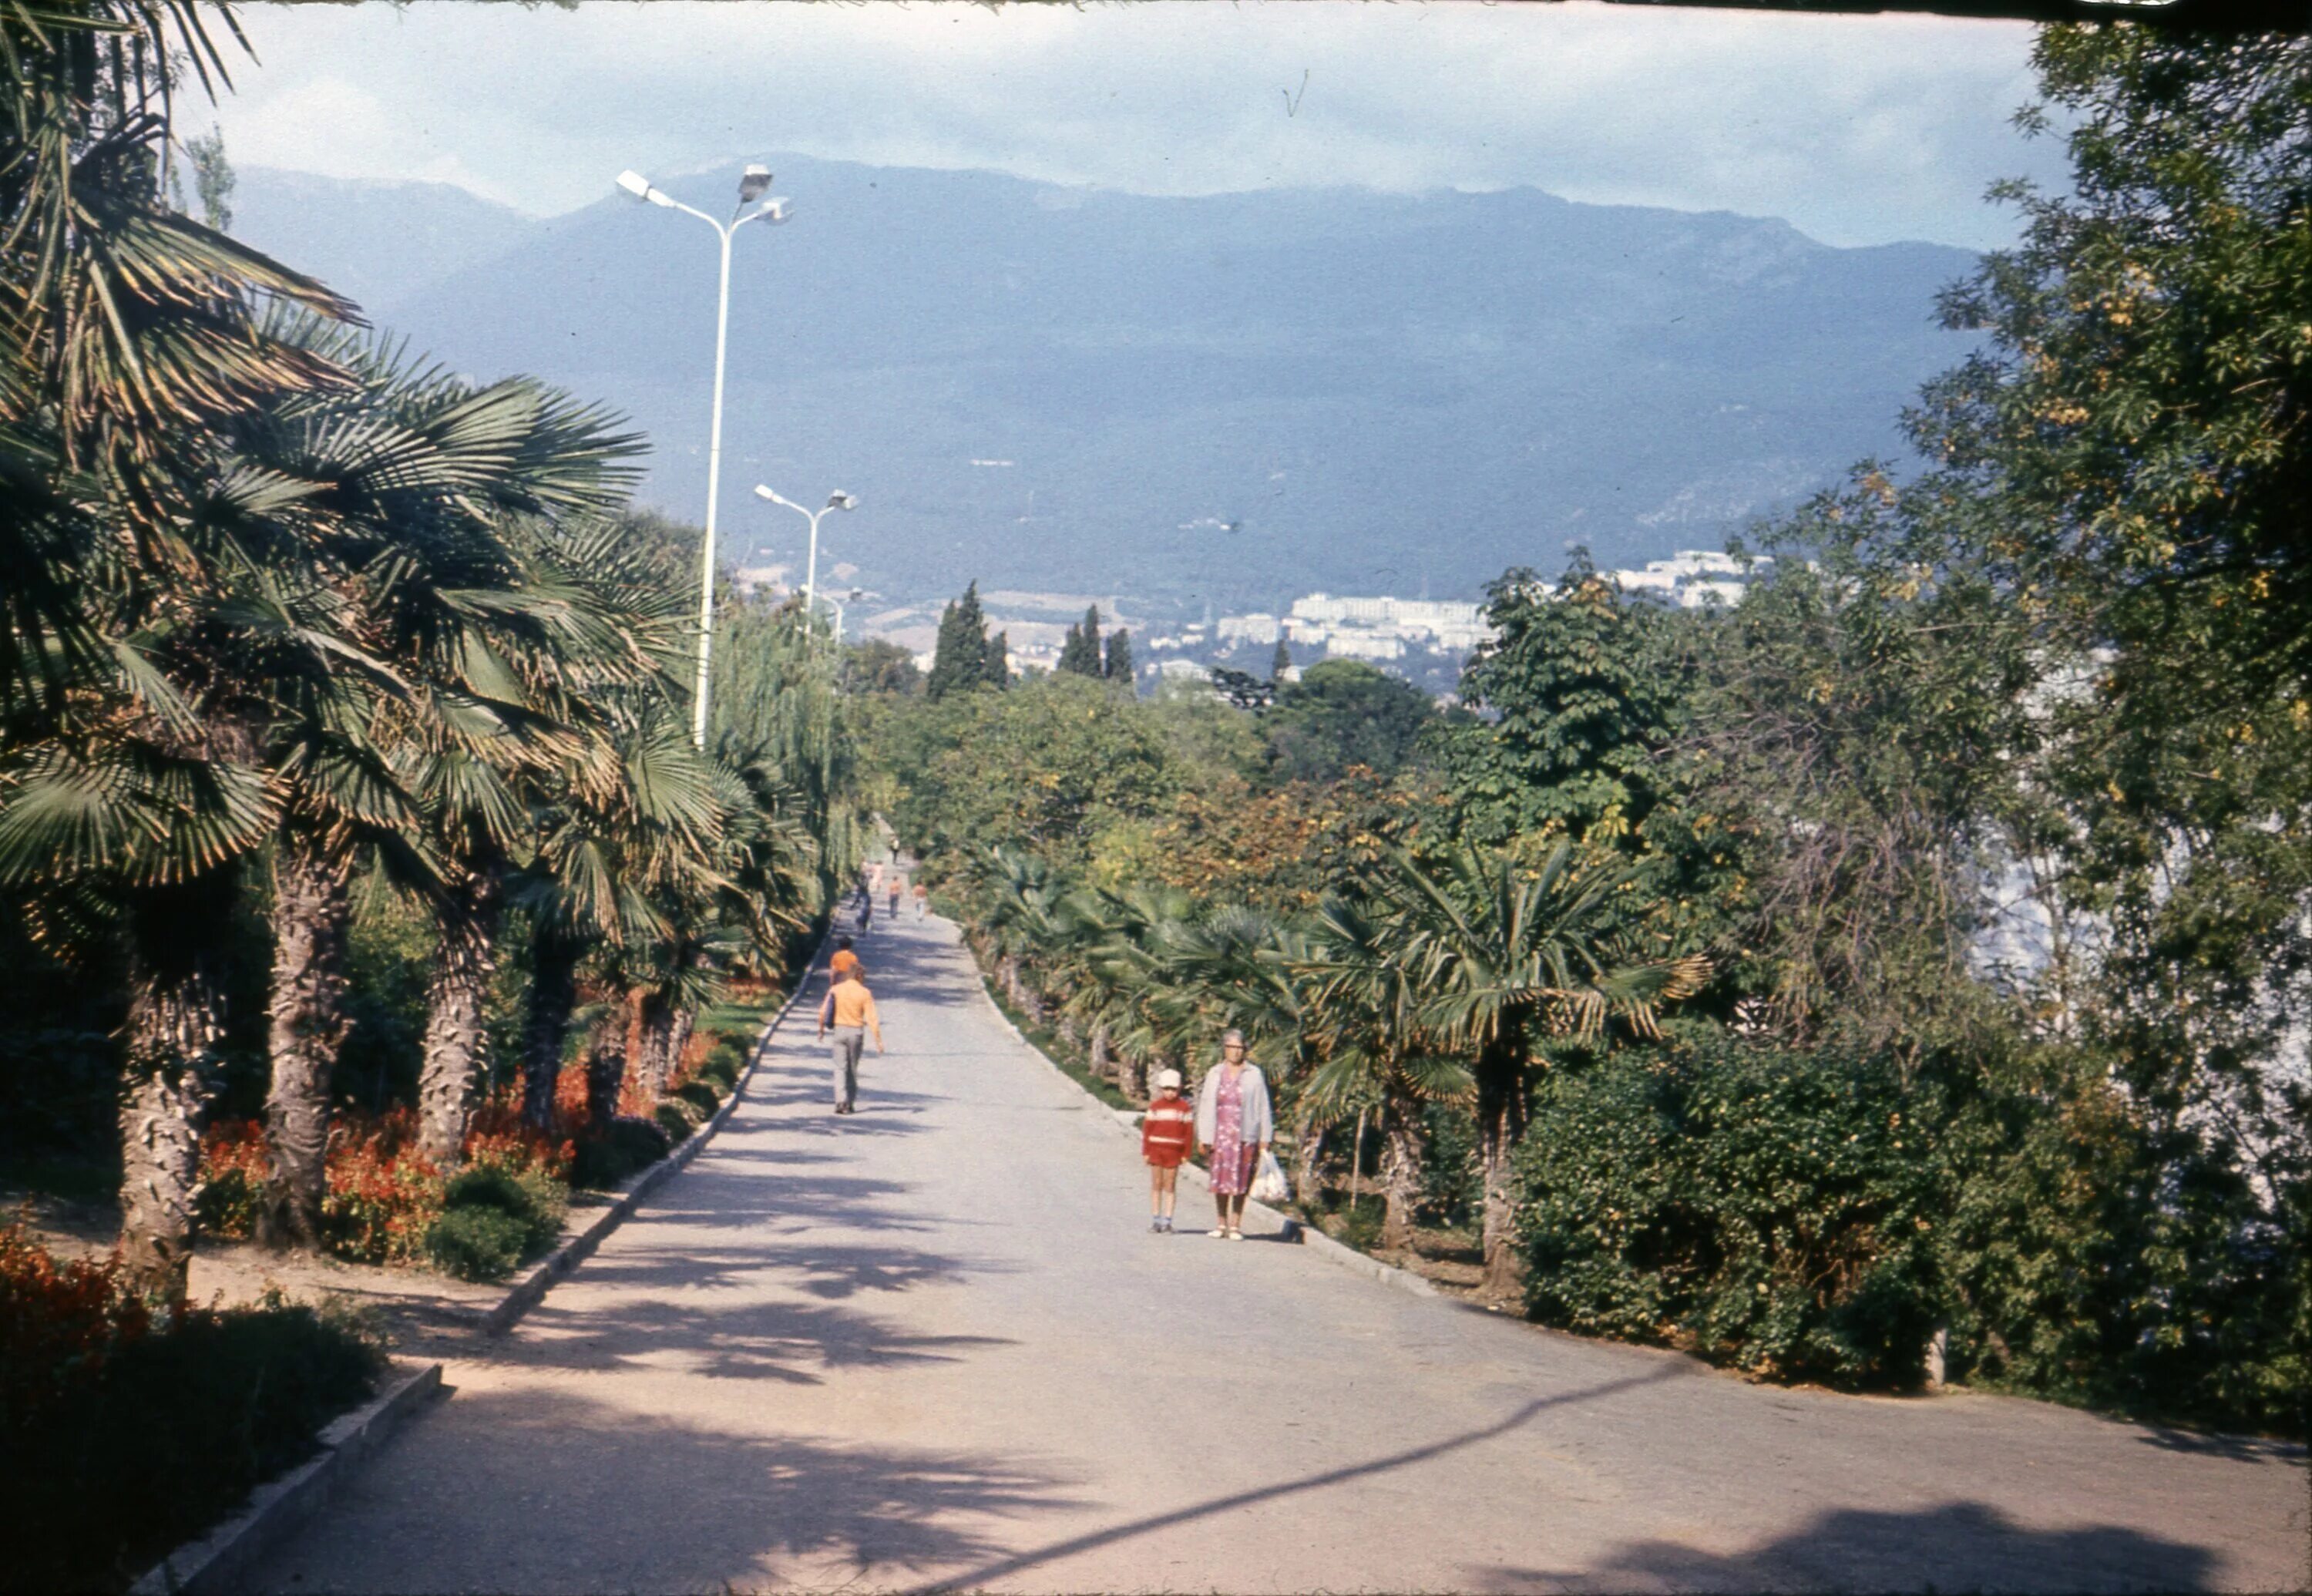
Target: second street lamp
{"x": 837, "y": 500}
{"x": 750, "y": 189}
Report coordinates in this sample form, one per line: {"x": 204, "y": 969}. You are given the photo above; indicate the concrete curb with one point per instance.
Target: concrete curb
{"x": 1127, "y": 1120}
{"x": 221, "y": 1559}
{"x": 575, "y": 1250}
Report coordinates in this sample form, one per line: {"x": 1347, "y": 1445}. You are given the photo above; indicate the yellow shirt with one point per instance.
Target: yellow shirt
{"x": 849, "y": 1003}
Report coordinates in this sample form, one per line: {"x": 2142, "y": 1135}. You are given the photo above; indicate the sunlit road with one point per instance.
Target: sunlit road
{"x": 934, "y": 1346}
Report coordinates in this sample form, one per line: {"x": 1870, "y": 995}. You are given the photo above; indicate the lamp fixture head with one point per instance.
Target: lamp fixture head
{"x": 754, "y": 184}
{"x": 635, "y": 184}
{"x": 775, "y": 211}
{"x": 840, "y": 500}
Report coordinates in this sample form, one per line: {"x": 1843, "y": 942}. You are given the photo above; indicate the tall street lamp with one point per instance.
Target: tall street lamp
{"x": 751, "y": 188}
{"x": 837, "y": 500}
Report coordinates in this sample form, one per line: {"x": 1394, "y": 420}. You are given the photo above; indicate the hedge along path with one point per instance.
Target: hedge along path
{"x": 934, "y": 1346}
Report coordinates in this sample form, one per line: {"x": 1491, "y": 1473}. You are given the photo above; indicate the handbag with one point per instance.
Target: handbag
{"x": 1268, "y": 1184}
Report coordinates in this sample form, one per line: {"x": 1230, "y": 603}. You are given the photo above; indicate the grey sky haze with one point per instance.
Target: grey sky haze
{"x": 1859, "y": 129}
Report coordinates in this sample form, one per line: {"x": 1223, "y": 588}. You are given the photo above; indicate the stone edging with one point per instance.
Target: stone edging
{"x": 221, "y": 1559}
{"x": 1127, "y": 1121}
{"x": 575, "y": 1250}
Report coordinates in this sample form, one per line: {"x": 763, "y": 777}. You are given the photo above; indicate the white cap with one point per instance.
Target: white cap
{"x": 1167, "y": 1078}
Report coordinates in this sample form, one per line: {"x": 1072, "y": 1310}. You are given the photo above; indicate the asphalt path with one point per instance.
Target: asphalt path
{"x": 932, "y": 1345}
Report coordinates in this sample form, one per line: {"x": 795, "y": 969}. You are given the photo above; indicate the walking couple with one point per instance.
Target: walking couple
{"x": 1230, "y": 1122}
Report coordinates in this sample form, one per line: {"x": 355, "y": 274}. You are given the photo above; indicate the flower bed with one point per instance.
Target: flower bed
{"x": 126, "y": 1426}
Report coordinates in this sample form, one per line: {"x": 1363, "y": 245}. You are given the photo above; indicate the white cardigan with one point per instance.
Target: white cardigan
{"x": 1259, "y": 1125}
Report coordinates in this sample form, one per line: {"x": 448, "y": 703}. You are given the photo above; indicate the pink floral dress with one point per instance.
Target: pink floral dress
{"x": 1231, "y": 1171}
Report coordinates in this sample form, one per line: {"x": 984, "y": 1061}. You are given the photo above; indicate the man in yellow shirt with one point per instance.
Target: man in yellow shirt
{"x": 849, "y": 1011}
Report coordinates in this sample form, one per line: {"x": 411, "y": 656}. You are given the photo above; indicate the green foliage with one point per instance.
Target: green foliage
{"x": 1079, "y": 655}
{"x": 879, "y": 665}
{"x": 1584, "y": 690}
{"x": 959, "y": 659}
{"x": 700, "y": 1095}
{"x": 171, "y": 1437}
{"x": 476, "y": 1243}
{"x": 528, "y": 1194}
{"x": 1768, "y": 1211}
{"x": 1344, "y": 713}
{"x": 679, "y": 1120}
{"x": 1117, "y": 666}
{"x": 629, "y": 1146}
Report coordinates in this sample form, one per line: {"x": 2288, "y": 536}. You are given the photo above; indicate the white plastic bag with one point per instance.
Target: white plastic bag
{"x": 1269, "y": 1182}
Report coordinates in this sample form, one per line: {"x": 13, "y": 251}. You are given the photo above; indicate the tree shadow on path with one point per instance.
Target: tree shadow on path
{"x": 634, "y": 1502}
{"x": 1156, "y": 1523}
{"x": 1961, "y": 1546}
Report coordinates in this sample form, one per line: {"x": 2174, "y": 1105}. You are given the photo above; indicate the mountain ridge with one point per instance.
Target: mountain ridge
{"x": 1372, "y": 388}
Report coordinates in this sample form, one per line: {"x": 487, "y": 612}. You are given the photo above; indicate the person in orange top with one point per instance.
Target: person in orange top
{"x": 844, "y": 963}
{"x": 849, "y": 1012}
{"x": 1166, "y": 1130}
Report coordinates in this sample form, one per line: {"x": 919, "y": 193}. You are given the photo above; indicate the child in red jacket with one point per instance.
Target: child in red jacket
{"x": 1167, "y": 1131}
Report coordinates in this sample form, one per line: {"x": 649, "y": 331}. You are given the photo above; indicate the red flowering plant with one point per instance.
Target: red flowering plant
{"x": 233, "y": 1164}
{"x": 59, "y": 1322}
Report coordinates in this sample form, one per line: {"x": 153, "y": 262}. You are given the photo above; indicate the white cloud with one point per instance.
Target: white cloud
{"x": 1858, "y": 129}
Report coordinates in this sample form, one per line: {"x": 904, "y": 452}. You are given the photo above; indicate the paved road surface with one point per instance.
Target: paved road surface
{"x": 934, "y": 1346}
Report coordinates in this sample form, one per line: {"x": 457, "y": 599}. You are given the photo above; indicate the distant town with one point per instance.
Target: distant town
{"x": 1424, "y": 640}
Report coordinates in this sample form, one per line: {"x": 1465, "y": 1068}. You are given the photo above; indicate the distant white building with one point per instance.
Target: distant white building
{"x": 1366, "y": 642}
{"x": 1255, "y": 628}
{"x": 1182, "y": 671}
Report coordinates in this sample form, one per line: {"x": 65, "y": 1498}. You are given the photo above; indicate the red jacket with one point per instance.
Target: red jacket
{"x": 1167, "y": 1131}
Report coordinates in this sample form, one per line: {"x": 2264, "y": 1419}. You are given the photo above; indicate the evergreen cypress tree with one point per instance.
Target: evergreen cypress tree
{"x": 1282, "y": 663}
{"x": 960, "y": 658}
{"x": 1079, "y": 655}
{"x": 997, "y": 667}
{"x": 1119, "y": 656}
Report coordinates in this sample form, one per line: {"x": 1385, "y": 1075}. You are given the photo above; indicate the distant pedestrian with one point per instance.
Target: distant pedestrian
{"x": 844, "y": 963}
{"x": 866, "y": 910}
{"x": 849, "y": 1012}
{"x": 922, "y": 899}
{"x": 892, "y": 907}
{"x": 1166, "y": 1132}
{"x": 1234, "y": 1126}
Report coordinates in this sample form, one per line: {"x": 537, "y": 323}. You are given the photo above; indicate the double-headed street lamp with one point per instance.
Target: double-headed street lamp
{"x": 837, "y": 500}
{"x": 751, "y": 188}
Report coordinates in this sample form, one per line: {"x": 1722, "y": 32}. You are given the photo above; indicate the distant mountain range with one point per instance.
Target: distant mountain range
{"x": 1225, "y": 400}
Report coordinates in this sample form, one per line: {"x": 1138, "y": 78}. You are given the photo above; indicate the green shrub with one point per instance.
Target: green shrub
{"x": 701, "y": 1096}
{"x": 630, "y": 1145}
{"x": 721, "y": 1070}
{"x": 169, "y": 1435}
{"x": 1768, "y": 1210}
{"x": 476, "y": 1243}
{"x": 529, "y": 1195}
{"x": 677, "y": 1120}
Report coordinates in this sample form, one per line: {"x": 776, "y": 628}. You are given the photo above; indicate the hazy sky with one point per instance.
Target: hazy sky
{"x": 1859, "y": 129}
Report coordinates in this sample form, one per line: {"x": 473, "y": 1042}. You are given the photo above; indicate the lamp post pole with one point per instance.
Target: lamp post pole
{"x": 751, "y": 187}
{"x": 837, "y": 500}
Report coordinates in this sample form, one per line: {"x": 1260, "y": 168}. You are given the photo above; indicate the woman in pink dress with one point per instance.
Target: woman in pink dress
{"x": 1234, "y": 1126}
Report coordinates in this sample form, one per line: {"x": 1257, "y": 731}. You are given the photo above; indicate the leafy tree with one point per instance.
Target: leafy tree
{"x": 1280, "y": 667}
{"x": 1119, "y": 665}
{"x": 1344, "y": 713}
{"x": 960, "y": 657}
{"x": 1080, "y": 655}
{"x": 1580, "y": 696}
{"x": 880, "y": 666}
{"x": 999, "y": 661}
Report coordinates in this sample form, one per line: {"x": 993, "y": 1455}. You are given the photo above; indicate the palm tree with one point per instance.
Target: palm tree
{"x": 1504, "y": 956}
{"x": 1361, "y": 1009}
{"x": 126, "y": 342}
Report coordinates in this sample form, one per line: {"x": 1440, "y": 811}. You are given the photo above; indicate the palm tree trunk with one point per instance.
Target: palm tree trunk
{"x": 1400, "y": 1171}
{"x": 666, "y": 1031}
{"x": 1307, "y": 1143}
{"x": 1501, "y": 1126}
{"x": 176, "y": 1017}
{"x": 546, "y": 1027}
{"x": 606, "y": 1070}
{"x": 1103, "y": 1065}
{"x": 310, "y": 908}
{"x": 456, "y": 997}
